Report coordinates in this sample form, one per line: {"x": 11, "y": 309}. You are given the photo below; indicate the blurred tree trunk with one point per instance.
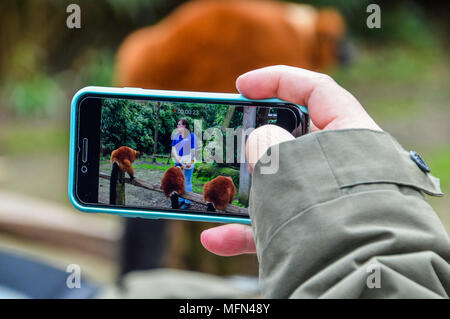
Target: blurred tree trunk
{"x": 227, "y": 119}
{"x": 156, "y": 107}
{"x": 248, "y": 121}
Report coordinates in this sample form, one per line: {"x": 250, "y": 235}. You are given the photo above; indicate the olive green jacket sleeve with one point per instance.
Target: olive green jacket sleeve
{"x": 344, "y": 216}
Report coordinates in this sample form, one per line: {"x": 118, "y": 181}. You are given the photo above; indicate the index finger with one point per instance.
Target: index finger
{"x": 329, "y": 105}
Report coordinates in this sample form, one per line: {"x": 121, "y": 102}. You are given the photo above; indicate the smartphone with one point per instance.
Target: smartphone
{"x": 168, "y": 154}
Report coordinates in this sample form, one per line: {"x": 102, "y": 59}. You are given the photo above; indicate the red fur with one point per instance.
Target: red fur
{"x": 173, "y": 181}
{"x": 125, "y": 156}
{"x": 206, "y": 45}
{"x": 220, "y": 191}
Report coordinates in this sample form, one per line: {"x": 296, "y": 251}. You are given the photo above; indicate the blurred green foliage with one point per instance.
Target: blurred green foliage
{"x": 38, "y": 95}
{"x": 404, "y": 22}
{"x": 439, "y": 162}
{"x": 94, "y": 66}
{"x": 393, "y": 64}
{"x": 35, "y": 138}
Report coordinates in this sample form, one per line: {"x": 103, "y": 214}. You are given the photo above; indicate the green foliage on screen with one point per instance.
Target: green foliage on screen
{"x": 132, "y": 123}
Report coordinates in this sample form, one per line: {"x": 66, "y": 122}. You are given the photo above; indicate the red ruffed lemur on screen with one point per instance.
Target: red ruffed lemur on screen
{"x": 218, "y": 193}
{"x": 121, "y": 160}
{"x": 172, "y": 185}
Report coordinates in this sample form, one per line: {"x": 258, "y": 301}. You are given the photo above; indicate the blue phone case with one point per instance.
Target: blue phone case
{"x": 155, "y": 94}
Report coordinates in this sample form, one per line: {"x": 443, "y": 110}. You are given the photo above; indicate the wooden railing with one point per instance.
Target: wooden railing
{"x": 198, "y": 198}
{"x": 45, "y": 222}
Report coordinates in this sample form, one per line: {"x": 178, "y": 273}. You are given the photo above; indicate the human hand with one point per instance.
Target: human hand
{"x": 330, "y": 107}
{"x": 260, "y": 139}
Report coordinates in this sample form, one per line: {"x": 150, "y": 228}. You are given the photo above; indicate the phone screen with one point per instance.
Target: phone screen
{"x": 170, "y": 155}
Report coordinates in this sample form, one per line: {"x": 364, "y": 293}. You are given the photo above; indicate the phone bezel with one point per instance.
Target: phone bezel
{"x": 158, "y": 95}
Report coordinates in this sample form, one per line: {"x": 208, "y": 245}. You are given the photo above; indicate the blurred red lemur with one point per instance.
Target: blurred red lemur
{"x": 121, "y": 160}
{"x": 172, "y": 184}
{"x": 218, "y": 193}
{"x": 206, "y": 45}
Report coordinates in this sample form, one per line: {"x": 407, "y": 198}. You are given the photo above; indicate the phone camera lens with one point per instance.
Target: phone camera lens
{"x": 84, "y": 169}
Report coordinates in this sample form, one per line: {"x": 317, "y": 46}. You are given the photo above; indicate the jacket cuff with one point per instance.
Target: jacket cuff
{"x": 321, "y": 166}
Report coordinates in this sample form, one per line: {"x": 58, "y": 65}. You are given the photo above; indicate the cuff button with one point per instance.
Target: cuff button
{"x": 419, "y": 161}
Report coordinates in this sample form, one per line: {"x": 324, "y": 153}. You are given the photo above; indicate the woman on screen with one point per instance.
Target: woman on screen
{"x": 184, "y": 147}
